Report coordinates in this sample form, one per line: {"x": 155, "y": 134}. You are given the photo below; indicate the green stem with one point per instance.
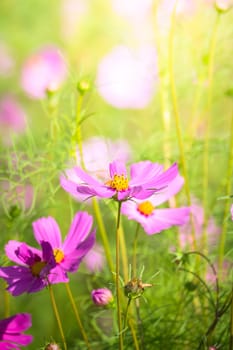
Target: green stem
{"x": 118, "y": 277}
{"x": 177, "y": 118}
{"x": 6, "y": 303}
{"x": 207, "y": 130}
{"x": 126, "y": 313}
{"x": 135, "y": 251}
{"x": 77, "y": 316}
{"x": 78, "y": 130}
{"x": 56, "y": 313}
{"x": 103, "y": 234}
{"x": 227, "y": 203}
{"x": 124, "y": 257}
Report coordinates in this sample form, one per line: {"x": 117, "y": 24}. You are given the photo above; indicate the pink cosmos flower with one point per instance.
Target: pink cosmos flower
{"x": 102, "y": 296}
{"x": 11, "y": 332}
{"x": 12, "y": 118}
{"x": 33, "y": 273}
{"x": 185, "y": 231}
{"x": 95, "y": 259}
{"x": 97, "y": 153}
{"x": 154, "y": 219}
{"x": 44, "y": 70}
{"x": 127, "y": 78}
{"x": 69, "y": 254}
{"x": 146, "y": 178}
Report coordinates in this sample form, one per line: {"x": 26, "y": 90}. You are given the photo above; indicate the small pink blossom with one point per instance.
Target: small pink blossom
{"x": 43, "y": 71}
{"x": 102, "y": 296}
{"x": 11, "y": 332}
{"x": 127, "y": 78}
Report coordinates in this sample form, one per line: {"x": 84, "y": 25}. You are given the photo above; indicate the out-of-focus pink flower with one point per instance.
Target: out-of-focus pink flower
{"x": 72, "y": 13}
{"x": 126, "y": 78}
{"x": 20, "y": 195}
{"x": 185, "y": 231}
{"x": 12, "y": 118}
{"x": 102, "y": 296}
{"x": 11, "y": 332}
{"x": 98, "y": 153}
{"x": 135, "y": 11}
{"x": 165, "y": 10}
{"x": 95, "y": 259}
{"x": 43, "y": 71}
{"x": 6, "y": 60}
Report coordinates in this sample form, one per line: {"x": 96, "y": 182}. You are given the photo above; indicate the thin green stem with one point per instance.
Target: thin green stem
{"x": 126, "y": 313}
{"x": 77, "y": 316}
{"x": 210, "y": 74}
{"x": 135, "y": 251}
{"x": 139, "y": 322}
{"x": 177, "y": 117}
{"x": 227, "y": 203}
{"x": 124, "y": 257}
{"x": 57, "y": 316}
{"x": 78, "y": 130}
{"x": 6, "y": 303}
{"x": 103, "y": 234}
{"x": 118, "y": 277}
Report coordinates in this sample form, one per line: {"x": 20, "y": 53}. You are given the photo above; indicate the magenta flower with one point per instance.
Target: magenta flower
{"x": 69, "y": 254}
{"x": 95, "y": 259}
{"x": 127, "y": 78}
{"x": 33, "y": 273}
{"x": 11, "y": 332}
{"x": 146, "y": 178}
{"x": 153, "y": 219}
{"x": 44, "y": 70}
{"x": 97, "y": 154}
{"x": 102, "y": 296}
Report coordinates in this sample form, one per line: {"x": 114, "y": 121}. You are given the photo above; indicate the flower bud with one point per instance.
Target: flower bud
{"x": 52, "y": 346}
{"x": 102, "y": 296}
{"x": 135, "y": 288}
{"x": 83, "y": 86}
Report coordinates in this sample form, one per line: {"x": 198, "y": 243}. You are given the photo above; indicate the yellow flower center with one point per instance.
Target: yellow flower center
{"x": 37, "y": 267}
{"x": 146, "y": 208}
{"x": 58, "y": 255}
{"x": 118, "y": 183}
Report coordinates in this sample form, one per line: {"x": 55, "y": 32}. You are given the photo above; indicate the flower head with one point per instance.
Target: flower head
{"x": 11, "y": 332}
{"x": 43, "y": 71}
{"x": 68, "y": 254}
{"x": 154, "y": 219}
{"x": 102, "y": 296}
{"x": 145, "y": 179}
{"x": 97, "y": 154}
{"x": 126, "y": 78}
{"x": 31, "y": 275}
{"x": 135, "y": 288}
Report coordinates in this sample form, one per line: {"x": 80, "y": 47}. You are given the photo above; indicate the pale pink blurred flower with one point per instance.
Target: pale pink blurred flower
{"x": 72, "y": 13}
{"x": 12, "y": 118}
{"x": 135, "y": 11}
{"x": 43, "y": 71}
{"x": 98, "y": 153}
{"x": 165, "y": 10}
{"x": 95, "y": 259}
{"x": 20, "y": 195}
{"x": 6, "y": 60}
{"x": 126, "y": 78}
{"x": 185, "y": 231}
